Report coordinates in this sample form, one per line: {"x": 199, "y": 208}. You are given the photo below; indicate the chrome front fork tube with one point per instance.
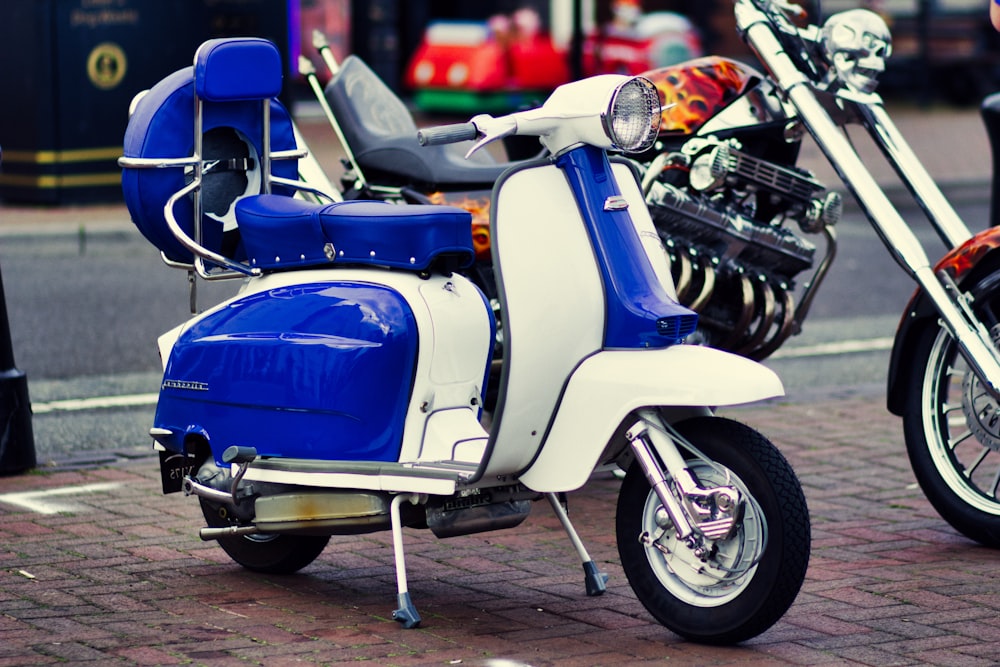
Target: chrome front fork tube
{"x": 695, "y": 511}
{"x": 973, "y": 338}
{"x": 639, "y": 437}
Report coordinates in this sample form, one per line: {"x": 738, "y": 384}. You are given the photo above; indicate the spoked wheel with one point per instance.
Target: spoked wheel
{"x": 952, "y": 427}
{"x": 719, "y": 589}
{"x": 269, "y": 553}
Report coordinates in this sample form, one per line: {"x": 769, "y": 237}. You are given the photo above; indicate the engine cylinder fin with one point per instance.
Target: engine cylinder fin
{"x": 695, "y": 221}
{"x": 786, "y": 181}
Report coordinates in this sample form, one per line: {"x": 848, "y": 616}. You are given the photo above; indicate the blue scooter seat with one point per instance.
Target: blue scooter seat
{"x": 281, "y": 233}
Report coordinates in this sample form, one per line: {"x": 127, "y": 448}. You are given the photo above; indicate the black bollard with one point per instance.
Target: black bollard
{"x": 990, "y": 110}
{"x": 17, "y": 441}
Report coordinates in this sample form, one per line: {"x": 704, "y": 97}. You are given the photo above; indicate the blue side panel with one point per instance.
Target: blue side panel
{"x": 321, "y": 370}
{"x": 640, "y": 313}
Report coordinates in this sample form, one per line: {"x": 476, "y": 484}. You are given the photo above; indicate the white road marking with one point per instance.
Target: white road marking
{"x": 42, "y": 502}
{"x": 833, "y": 349}
{"x": 73, "y": 404}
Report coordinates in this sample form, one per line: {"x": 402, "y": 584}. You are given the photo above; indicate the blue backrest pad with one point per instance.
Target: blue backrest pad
{"x": 236, "y": 69}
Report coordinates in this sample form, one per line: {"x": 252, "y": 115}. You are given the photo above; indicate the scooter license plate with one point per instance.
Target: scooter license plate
{"x": 174, "y": 468}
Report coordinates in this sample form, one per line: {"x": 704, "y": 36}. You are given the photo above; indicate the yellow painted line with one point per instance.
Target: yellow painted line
{"x": 61, "y": 181}
{"x": 57, "y": 157}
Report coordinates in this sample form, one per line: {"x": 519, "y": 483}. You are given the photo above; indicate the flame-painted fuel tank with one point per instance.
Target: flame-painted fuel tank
{"x": 319, "y": 370}
{"x": 695, "y": 91}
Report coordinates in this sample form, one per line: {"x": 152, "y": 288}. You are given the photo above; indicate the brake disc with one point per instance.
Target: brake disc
{"x": 981, "y": 408}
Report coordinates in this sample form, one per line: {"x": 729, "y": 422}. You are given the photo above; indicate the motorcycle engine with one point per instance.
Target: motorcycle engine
{"x": 724, "y": 215}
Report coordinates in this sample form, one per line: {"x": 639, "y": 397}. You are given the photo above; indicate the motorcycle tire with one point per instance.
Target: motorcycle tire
{"x": 952, "y": 427}
{"x": 268, "y": 553}
{"x": 690, "y": 596}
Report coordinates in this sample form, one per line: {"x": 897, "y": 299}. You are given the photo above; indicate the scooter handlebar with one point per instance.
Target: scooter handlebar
{"x": 447, "y": 134}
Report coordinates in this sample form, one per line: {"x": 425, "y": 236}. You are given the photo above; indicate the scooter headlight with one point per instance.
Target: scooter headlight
{"x": 632, "y": 120}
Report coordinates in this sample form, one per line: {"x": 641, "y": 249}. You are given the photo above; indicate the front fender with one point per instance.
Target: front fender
{"x": 966, "y": 263}
{"x": 609, "y": 385}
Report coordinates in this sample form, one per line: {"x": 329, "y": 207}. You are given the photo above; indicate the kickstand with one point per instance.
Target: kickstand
{"x": 406, "y": 613}
{"x": 594, "y": 580}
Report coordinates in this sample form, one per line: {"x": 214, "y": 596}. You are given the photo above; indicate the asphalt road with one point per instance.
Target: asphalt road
{"x": 845, "y": 343}
{"x": 85, "y": 311}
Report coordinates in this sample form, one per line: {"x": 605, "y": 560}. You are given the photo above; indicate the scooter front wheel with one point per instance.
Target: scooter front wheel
{"x": 952, "y": 426}
{"x": 730, "y": 589}
{"x": 269, "y": 553}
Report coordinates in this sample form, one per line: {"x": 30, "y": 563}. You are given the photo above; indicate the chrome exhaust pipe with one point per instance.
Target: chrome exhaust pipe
{"x": 193, "y": 488}
{"x": 208, "y": 534}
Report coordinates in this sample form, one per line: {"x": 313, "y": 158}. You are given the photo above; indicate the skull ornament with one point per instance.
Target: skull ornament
{"x": 856, "y": 43}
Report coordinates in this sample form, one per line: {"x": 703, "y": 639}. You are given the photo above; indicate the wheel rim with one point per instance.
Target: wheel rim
{"x": 261, "y": 538}
{"x": 733, "y": 562}
{"x": 961, "y": 426}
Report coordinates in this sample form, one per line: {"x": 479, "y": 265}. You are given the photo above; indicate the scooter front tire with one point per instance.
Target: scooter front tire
{"x": 686, "y": 594}
{"x": 268, "y": 553}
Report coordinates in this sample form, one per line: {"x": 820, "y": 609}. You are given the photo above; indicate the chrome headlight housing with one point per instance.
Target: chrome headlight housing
{"x": 632, "y": 120}
{"x": 608, "y": 111}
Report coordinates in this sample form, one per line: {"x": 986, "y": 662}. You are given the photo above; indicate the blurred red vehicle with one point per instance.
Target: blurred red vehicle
{"x": 659, "y": 39}
{"x": 499, "y": 64}
{"x": 509, "y": 62}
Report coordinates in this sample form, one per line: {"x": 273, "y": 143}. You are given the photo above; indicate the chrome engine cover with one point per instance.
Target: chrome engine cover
{"x": 726, "y": 218}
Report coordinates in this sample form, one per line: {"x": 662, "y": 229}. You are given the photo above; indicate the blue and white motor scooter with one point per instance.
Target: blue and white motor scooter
{"x": 341, "y": 390}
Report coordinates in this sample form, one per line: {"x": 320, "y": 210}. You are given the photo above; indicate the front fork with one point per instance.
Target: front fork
{"x": 973, "y": 339}
{"x": 694, "y": 511}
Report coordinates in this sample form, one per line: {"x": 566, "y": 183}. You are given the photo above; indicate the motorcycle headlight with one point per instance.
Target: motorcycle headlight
{"x": 633, "y": 116}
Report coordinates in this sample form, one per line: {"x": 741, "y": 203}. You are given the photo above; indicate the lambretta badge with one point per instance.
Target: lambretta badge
{"x": 190, "y": 385}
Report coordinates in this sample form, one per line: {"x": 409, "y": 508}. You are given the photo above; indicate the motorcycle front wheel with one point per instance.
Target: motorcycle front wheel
{"x": 738, "y": 586}
{"x": 951, "y": 425}
{"x": 269, "y": 553}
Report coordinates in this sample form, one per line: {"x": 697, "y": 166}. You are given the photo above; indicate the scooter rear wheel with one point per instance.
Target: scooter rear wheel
{"x": 747, "y": 579}
{"x": 268, "y": 553}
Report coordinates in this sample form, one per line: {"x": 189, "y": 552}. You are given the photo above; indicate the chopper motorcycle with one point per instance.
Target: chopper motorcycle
{"x": 725, "y": 195}
{"x": 340, "y": 391}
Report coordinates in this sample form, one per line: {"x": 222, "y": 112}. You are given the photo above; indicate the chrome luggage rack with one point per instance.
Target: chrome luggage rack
{"x": 237, "y": 81}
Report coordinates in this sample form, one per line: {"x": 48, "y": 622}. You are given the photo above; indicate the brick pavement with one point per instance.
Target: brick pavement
{"x": 122, "y": 578}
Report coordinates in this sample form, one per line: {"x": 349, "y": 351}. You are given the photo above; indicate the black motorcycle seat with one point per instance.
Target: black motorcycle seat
{"x": 381, "y": 133}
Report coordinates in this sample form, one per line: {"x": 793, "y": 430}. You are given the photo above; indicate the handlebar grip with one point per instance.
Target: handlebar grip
{"x": 447, "y": 134}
